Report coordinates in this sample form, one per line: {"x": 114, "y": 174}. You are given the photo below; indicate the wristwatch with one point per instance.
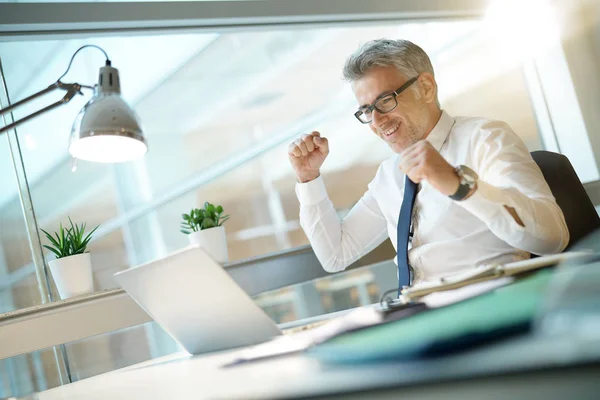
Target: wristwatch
{"x": 468, "y": 181}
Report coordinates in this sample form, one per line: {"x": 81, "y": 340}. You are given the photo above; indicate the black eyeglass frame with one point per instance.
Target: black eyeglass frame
{"x": 372, "y": 107}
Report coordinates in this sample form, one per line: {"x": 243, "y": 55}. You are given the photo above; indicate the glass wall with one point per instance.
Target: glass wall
{"x": 218, "y": 111}
{"x": 25, "y": 374}
{"x": 14, "y": 243}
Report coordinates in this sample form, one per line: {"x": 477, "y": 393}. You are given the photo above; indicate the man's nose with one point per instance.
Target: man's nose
{"x": 378, "y": 118}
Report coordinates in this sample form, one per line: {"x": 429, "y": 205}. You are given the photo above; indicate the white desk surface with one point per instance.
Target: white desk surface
{"x": 181, "y": 376}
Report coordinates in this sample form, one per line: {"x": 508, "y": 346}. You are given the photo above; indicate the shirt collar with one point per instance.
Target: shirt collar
{"x": 440, "y": 131}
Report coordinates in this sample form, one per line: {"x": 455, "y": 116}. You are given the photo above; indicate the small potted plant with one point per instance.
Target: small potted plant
{"x": 72, "y": 269}
{"x": 204, "y": 227}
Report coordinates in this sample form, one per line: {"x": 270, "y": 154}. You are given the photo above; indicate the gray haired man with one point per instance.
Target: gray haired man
{"x": 457, "y": 192}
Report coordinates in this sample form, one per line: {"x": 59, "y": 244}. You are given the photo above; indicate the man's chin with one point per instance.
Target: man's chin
{"x": 397, "y": 147}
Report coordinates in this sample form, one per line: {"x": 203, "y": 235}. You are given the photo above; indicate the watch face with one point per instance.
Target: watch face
{"x": 468, "y": 175}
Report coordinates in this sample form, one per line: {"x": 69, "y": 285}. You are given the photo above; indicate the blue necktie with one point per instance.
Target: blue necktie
{"x": 410, "y": 193}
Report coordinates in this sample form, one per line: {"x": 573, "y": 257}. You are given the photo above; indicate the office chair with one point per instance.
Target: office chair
{"x": 580, "y": 215}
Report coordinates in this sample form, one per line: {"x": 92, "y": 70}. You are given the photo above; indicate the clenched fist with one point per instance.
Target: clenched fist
{"x": 307, "y": 154}
{"x": 422, "y": 162}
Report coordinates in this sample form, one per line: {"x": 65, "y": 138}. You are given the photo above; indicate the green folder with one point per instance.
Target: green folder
{"x": 507, "y": 310}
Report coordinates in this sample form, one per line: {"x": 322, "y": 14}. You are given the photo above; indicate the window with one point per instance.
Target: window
{"x": 218, "y": 111}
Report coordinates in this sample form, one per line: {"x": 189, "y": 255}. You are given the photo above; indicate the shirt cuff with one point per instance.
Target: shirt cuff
{"x": 311, "y": 193}
{"x": 487, "y": 203}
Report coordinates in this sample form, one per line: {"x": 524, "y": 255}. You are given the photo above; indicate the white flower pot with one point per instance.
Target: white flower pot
{"x": 73, "y": 275}
{"x": 213, "y": 240}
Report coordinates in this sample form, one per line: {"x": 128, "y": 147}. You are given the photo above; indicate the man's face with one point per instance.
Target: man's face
{"x": 404, "y": 125}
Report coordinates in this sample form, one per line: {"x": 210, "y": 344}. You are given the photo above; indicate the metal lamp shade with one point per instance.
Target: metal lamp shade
{"x": 107, "y": 129}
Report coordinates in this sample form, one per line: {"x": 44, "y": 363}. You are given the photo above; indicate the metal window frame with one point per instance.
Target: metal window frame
{"x": 20, "y": 21}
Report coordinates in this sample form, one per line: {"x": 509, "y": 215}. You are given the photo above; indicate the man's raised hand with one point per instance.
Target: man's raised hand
{"x": 307, "y": 154}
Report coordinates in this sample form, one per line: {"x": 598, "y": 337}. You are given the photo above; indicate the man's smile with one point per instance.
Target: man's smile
{"x": 391, "y": 130}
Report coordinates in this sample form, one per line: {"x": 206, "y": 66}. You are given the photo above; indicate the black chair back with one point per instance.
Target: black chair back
{"x": 580, "y": 214}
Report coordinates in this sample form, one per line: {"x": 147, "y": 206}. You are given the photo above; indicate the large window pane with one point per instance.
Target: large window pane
{"x": 104, "y": 353}
{"x": 17, "y": 290}
{"x": 338, "y": 292}
{"x": 24, "y": 374}
{"x": 218, "y": 111}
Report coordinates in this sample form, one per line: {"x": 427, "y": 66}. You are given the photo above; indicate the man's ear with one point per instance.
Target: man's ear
{"x": 428, "y": 87}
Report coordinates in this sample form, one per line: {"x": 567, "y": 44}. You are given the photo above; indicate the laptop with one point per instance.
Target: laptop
{"x": 197, "y": 302}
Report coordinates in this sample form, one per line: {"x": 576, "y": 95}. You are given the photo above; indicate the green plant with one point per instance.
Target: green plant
{"x": 69, "y": 241}
{"x": 203, "y": 218}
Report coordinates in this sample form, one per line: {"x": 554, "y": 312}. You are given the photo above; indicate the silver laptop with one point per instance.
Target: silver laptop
{"x": 197, "y": 302}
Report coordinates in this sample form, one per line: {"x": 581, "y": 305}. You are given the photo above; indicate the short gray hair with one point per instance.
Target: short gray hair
{"x": 407, "y": 57}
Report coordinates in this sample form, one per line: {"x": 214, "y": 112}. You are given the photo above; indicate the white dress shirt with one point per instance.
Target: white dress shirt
{"x": 449, "y": 236}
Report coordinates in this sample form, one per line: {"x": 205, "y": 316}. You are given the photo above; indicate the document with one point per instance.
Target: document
{"x": 436, "y": 294}
{"x": 287, "y": 344}
{"x": 486, "y": 273}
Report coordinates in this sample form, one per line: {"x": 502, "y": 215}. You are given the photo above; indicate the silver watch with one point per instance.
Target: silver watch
{"x": 468, "y": 180}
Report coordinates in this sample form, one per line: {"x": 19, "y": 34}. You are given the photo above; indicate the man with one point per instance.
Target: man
{"x": 480, "y": 198}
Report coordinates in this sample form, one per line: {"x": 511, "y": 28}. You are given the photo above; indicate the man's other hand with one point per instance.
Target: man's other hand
{"x": 422, "y": 162}
{"x": 307, "y": 154}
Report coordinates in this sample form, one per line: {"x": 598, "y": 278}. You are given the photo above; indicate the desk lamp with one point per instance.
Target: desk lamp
{"x": 106, "y": 129}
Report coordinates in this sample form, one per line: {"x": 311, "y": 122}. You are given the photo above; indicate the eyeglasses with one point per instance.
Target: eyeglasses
{"x": 384, "y": 104}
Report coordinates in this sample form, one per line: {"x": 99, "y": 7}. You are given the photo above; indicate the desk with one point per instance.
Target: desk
{"x": 560, "y": 358}
{"x": 522, "y": 367}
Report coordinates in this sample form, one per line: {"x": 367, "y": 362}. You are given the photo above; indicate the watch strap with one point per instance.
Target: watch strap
{"x": 462, "y": 192}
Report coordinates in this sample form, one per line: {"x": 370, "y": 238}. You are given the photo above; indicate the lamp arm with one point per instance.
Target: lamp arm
{"x": 71, "y": 88}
